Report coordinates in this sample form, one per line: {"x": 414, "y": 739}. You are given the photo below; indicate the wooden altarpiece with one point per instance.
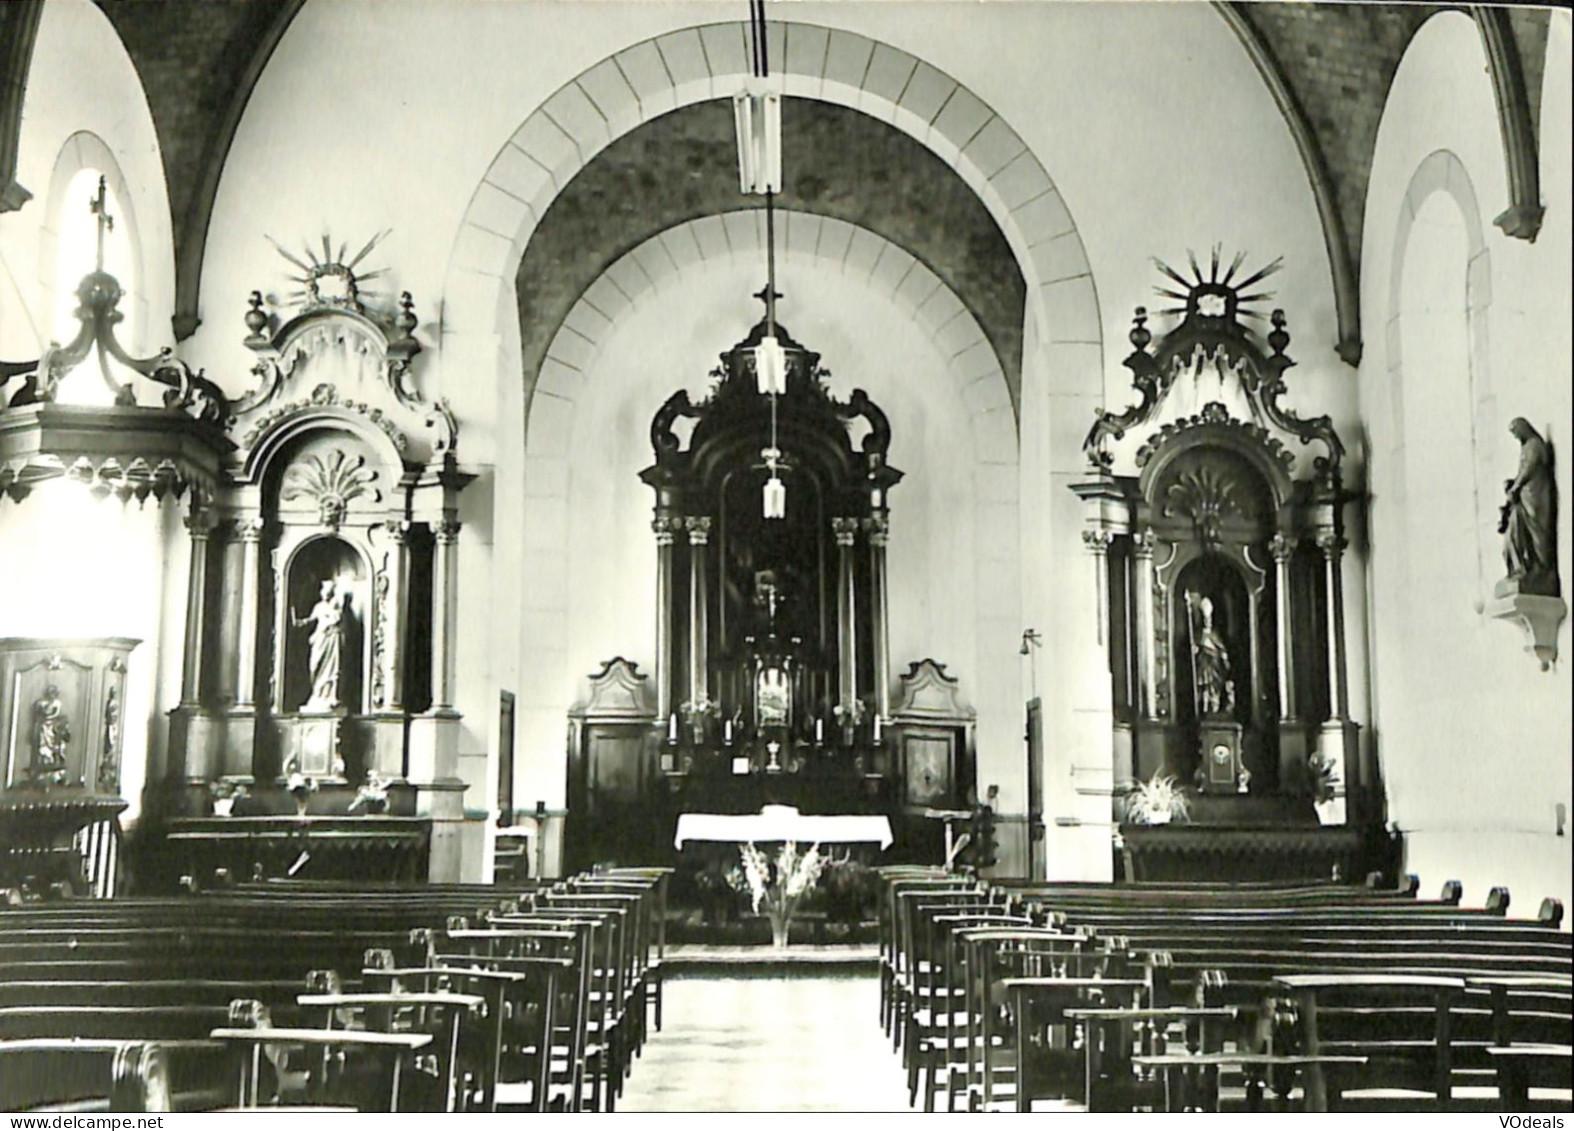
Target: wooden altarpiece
{"x": 1219, "y": 560}
{"x": 339, "y": 507}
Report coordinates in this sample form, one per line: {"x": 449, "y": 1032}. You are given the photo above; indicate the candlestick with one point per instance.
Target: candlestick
{"x": 672, "y": 729}
{"x": 819, "y": 731}
{"x": 877, "y": 728}
{"x": 726, "y": 732}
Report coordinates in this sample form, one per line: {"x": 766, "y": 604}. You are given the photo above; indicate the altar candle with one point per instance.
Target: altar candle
{"x": 819, "y": 731}
{"x": 726, "y": 732}
{"x": 672, "y": 729}
{"x": 877, "y": 728}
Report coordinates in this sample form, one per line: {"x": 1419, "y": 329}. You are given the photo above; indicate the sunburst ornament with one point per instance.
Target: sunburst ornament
{"x": 1213, "y": 296}
{"x": 331, "y": 280}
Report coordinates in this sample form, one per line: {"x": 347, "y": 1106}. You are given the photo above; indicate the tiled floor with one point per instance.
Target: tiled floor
{"x": 803, "y": 1041}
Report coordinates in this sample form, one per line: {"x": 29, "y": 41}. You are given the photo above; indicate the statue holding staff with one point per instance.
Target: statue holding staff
{"x": 1211, "y": 680}
{"x": 326, "y": 645}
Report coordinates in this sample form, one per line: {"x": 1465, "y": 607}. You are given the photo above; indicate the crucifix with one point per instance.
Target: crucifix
{"x": 106, "y": 223}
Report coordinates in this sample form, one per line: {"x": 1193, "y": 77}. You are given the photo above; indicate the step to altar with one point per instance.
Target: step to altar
{"x": 701, "y": 960}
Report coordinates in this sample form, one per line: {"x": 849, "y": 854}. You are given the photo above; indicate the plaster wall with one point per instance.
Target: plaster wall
{"x": 1466, "y": 330}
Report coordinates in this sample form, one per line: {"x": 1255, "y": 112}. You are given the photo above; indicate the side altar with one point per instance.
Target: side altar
{"x": 1221, "y": 558}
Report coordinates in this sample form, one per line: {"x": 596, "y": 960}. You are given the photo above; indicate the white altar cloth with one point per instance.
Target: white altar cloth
{"x": 782, "y": 823}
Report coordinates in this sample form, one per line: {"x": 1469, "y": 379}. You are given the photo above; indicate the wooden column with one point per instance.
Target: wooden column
{"x": 392, "y": 606}
{"x": 699, "y": 662}
{"x": 199, "y": 525}
{"x": 445, "y": 612}
{"x": 1283, "y": 549}
{"x": 1098, "y": 542}
{"x": 1333, "y": 546}
{"x": 665, "y": 527}
{"x": 846, "y": 531}
{"x": 879, "y": 533}
{"x": 1148, "y": 676}
{"x": 250, "y": 531}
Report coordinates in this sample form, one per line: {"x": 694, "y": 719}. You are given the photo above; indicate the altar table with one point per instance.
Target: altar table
{"x": 783, "y": 823}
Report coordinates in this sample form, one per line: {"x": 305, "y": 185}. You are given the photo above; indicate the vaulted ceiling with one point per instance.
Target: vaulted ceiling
{"x": 1328, "y": 67}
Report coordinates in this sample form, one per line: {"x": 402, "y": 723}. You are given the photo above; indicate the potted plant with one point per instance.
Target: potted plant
{"x": 1157, "y": 801}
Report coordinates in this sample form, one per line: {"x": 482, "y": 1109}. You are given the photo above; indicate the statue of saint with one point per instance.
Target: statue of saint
{"x": 1529, "y": 516}
{"x": 326, "y": 645}
{"x": 1210, "y": 660}
{"x": 51, "y": 733}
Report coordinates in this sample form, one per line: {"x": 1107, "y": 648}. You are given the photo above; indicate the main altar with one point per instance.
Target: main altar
{"x": 773, "y": 681}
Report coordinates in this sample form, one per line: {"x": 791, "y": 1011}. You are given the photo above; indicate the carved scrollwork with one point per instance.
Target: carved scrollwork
{"x": 662, "y": 439}
{"x": 1215, "y": 414}
{"x": 859, "y": 404}
{"x": 1147, "y": 378}
{"x": 325, "y": 396}
{"x": 1320, "y": 428}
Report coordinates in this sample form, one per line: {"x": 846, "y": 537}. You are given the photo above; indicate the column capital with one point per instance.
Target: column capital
{"x": 398, "y": 531}
{"x": 845, "y": 529}
{"x": 447, "y": 531}
{"x": 250, "y": 529}
{"x": 879, "y": 528}
{"x": 666, "y": 527}
{"x": 1331, "y": 544}
{"x": 200, "y": 523}
{"x": 1098, "y": 541}
{"x": 699, "y": 529}
{"x": 1282, "y": 547}
{"x": 1142, "y": 542}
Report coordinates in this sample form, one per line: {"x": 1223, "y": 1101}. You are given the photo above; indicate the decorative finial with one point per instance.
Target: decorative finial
{"x": 1140, "y": 334}
{"x": 256, "y": 317}
{"x": 1278, "y": 337}
{"x": 406, "y": 320}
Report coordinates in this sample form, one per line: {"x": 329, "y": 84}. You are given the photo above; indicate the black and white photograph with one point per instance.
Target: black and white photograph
{"x": 776, "y": 556}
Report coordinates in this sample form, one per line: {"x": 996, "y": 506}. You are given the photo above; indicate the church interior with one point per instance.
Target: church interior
{"x": 547, "y": 544}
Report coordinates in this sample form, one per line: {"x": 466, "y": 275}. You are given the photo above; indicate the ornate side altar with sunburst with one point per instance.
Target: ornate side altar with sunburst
{"x": 324, "y": 582}
{"x": 1220, "y": 548}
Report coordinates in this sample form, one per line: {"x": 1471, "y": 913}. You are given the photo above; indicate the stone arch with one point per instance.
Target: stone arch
{"x": 829, "y": 245}
{"x": 1442, "y": 172}
{"x": 711, "y": 61}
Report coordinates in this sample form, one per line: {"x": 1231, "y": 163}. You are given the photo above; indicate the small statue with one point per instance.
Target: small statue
{"x": 51, "y": 734}
{"x": 1528, "y": 520}
{"x": 326, "y": 645}
{"x": 1210, "y": 661}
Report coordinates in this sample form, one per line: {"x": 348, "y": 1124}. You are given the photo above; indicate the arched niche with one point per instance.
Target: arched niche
{"x": 325, "y": 568}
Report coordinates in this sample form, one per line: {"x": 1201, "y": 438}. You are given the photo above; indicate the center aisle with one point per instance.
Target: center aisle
{"x": 779, "y": 1042}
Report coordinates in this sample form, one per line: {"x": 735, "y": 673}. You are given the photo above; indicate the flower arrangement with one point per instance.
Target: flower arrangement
{"x": 300, "y": 787}
{"x": 699, "y": 708}
{"x": 373, "y": 794}
{"x": 775, "y": 886}
{"x": 1157, "y": 801}
{"x": 1324, "y": 778}
{"x": 851, "y": 713}
{"x": 225, "y": 794}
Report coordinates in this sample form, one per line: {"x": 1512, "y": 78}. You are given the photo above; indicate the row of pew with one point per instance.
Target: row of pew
{"x": 1213, "y": 997}
{"x": 448, "y": 998}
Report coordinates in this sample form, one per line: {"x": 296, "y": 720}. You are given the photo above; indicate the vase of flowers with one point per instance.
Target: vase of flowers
{"x": 776, "y": 886}
{"x": 1157, "y": 801}
{"x": 372, "y": 796}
